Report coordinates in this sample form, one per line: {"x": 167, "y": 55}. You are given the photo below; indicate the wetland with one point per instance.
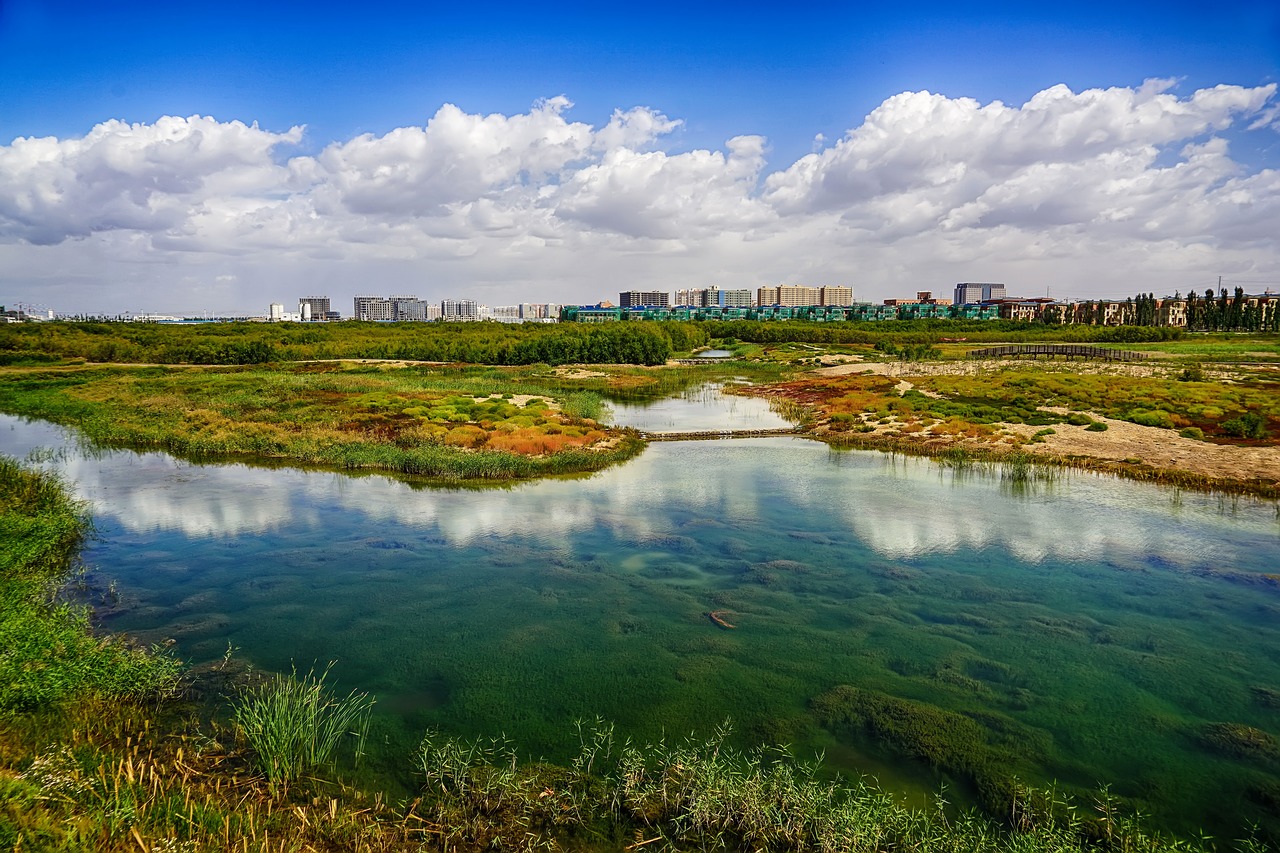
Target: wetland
{"x": 921, "y": 623}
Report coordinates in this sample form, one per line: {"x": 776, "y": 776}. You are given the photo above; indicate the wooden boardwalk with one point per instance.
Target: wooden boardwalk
{"x": 716, "y": 434}
{"x": 1054, "y": 350}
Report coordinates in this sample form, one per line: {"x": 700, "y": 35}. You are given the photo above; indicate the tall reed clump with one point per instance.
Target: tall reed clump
{"x": 1022, "y": 469}
{"x": 295, "y": 724}
{"x": 797, "y": 413}
{"x": 583, "y": 404}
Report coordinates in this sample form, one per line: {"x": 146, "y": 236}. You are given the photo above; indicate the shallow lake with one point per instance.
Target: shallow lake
{"x": 1091, "y": 627}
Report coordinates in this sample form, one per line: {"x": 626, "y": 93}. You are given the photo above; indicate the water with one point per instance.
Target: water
{"x": 1092, "y": 626}
{"x": 705, "y": 407}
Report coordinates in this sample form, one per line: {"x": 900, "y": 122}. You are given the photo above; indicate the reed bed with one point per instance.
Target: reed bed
{"x": 295, "y": 724}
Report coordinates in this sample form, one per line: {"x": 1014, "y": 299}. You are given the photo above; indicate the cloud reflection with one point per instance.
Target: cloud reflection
{"x": 895, "y": 507}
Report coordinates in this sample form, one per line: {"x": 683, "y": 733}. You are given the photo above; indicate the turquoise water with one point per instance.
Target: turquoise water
{"x": 1092, "y": 627}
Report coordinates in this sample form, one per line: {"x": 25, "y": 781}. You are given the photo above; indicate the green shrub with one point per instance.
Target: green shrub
{"x": 1156, "y": 418}
{"x": 1079, "y": 419}
{"x": 1248, "y": 425}
{"x": 1096, "y": 426}
{"x": 1193, "y": 432}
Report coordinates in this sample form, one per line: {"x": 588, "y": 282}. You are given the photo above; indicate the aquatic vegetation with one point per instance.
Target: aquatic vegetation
{"x": 945, "y": 740}
{"x": 294, "y": 724}
{"x": 702, "y": 793}
{"x": 1266, "y": 696}
{"x": 1240, "y": 741}
{"x": 49, "y": 655}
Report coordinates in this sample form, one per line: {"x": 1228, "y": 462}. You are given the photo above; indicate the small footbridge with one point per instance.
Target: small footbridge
{"x": 1054, "y": 350}
{"x": 716, "y": 434}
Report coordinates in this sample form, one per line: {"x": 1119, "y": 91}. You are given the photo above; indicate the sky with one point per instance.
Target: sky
{"x": 215, "y": 158}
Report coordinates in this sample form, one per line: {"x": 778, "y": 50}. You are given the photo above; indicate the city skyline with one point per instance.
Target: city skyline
{"x": 160, "y": 160}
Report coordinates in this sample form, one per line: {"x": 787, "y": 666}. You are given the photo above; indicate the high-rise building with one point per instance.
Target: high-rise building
{"x": 637, "y": 298}
{"x": 972, "y": 292}
{"x": 375, "y": 308}
{"x": 788, "y": 295}
{"x": 835, "y": 295}
{"x": 314, "y": 308}
{"x": 458, "y": 310}
{"x": 408, "y": 308}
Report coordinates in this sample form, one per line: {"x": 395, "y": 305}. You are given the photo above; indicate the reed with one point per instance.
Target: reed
{"x": 700, "y": 793}
{"x": 295, "y": 724}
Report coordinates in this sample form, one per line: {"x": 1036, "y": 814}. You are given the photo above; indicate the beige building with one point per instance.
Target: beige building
{"x": 789, "y": 295}
{"x": 836, "y": 295}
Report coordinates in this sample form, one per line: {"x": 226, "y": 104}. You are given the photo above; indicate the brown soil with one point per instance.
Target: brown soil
{"x": 1158, "y": 448}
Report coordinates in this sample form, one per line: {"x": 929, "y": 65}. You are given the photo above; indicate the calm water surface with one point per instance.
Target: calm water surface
{"x": 1095, "y": 623}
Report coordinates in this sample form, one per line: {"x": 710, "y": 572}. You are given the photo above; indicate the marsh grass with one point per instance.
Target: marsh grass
{"x": 700, "y": 793}
{"x": 295, "y": 724}
{"x": 584, "y": 405}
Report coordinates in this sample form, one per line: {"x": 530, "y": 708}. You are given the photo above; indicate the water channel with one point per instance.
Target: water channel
{"x": 1094, "y": 629}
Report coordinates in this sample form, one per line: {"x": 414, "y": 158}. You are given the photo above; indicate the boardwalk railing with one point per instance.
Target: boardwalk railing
{"x": 1052, "y": 350}
{"x": 698, "y": 361}
{"x": 713, "y": 434}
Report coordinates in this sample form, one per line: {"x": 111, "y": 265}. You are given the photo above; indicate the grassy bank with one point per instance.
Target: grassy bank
{"x": 442, "y": 423}
{"x": 47, "y": 654}
{"x": 123, "y": 781}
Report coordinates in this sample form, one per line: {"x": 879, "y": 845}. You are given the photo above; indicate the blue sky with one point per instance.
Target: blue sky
{"x": 721, "y": 70}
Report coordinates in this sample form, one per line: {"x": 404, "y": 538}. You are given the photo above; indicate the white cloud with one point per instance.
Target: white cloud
{"x": 1068, "y": 188}
{"x": 141, "y": 177}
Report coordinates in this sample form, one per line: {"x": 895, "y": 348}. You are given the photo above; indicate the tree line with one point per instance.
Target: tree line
{"x": 259, "y": 343}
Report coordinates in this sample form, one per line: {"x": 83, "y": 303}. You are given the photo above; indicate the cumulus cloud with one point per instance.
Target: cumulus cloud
{"x": 941, "y": 152}
{"x": 668, "y": 196}
{"x": 144, "y": 177}
{"x": 923, "y": 185}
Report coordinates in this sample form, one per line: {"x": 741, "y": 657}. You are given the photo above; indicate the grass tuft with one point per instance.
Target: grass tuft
{"x": 294, "y": 724}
